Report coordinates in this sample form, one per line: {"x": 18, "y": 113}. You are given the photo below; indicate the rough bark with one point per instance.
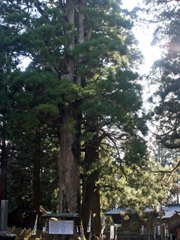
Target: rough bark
{"x": 68, "y": 158}
{"x": 68, "y": 161}
{"x": 69, "y": 60}
{"x": 91, "y": 197}
{"x": 80, "y": 35}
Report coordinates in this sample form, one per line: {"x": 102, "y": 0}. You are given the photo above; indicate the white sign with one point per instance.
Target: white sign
{"x": 111, "y": 232}
{"x": 64, "y": 227}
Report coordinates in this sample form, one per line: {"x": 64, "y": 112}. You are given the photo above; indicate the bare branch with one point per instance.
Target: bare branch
{"x": 166, "y": 171}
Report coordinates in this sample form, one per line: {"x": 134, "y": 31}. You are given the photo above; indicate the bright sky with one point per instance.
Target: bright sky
{"x": 144, "y": 36}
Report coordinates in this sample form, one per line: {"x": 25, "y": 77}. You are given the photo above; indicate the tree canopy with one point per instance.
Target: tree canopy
{"x": 73, "y": 117}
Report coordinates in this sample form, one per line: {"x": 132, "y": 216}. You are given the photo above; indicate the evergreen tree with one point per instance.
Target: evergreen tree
{"x": 33, "y": 126}
{"x": 7, "y": 64}
{"x": 166, "y": 70}
{"x": 82, "y": 55}
{"x": 165, "y": 75}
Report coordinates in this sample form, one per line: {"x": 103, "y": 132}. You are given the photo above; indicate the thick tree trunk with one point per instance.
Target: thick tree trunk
{"x": 68, "y": 160}
{"x": 91, "y": 197}
{"x": 91, "y": 204}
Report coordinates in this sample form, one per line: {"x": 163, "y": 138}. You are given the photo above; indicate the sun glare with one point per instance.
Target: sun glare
{"x": 144, "y": 35}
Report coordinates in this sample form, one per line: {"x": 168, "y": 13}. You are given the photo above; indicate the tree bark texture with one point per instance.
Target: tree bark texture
{"x": 68, "y": 161}
{"x": 70, "y": 119}
{"x": 69, "y": 60}
{"x": 91, "y": 196}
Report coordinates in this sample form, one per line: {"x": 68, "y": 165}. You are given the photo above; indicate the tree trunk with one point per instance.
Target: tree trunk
{"x": 91, "y": 204}
{"x": 37, "y": 168}
{"x": 69, "y": 156}
{"x": 68, "y": 160}
{"x": 91, "y": 197}
{"x": 3, "y": 165}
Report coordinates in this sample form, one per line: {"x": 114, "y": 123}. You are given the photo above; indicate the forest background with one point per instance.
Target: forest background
{"x": 73, "y": 124}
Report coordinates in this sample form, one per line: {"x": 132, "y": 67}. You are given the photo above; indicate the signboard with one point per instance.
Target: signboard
{"x": 64, "y": 227}
{"x": 111, "y": 232}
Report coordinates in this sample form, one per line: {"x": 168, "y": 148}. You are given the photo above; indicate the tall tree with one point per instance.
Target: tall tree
{"x": 166, "y": 70}
{"x": 32, "y": 113}
{"x": 113, "y": 121}
{"x": 7, "y": 64}
{"x": 87, "y": 48}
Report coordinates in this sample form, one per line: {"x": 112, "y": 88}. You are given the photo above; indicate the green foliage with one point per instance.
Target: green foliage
{"x": 94, "y": 76}
{"x": 166, "y": 112}
{"x": 138, "y": 188}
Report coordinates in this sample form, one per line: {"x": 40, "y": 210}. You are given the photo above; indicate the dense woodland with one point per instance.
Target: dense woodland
{"x": 73, "y": 127}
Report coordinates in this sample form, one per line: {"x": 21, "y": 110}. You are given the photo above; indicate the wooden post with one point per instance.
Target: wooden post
{"x": 3, "y": 215}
